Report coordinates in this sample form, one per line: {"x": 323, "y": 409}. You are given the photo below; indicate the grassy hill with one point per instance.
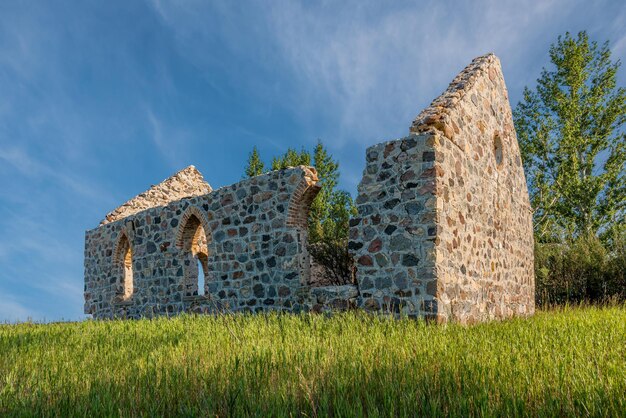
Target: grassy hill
{"x": 566, "y": 362}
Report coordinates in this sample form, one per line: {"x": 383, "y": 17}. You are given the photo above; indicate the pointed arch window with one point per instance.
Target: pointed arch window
{"x": 124, "y": 261}
{"x": 194, "y": 242}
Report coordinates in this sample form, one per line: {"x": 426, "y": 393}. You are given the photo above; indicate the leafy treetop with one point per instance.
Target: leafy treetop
{"x": 572, "y": 141}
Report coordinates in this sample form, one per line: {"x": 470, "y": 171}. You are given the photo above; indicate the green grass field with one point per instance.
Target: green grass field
{"x": 558, "y": 363}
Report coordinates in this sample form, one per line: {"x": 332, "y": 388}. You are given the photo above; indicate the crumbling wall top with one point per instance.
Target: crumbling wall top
{"x": 437, "y": 115}
{"x": 188, "y": 182}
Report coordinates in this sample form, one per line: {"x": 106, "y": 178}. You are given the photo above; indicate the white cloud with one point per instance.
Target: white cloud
{"x": 378, "y": 72}
{"x": 368, "y": 67}
{"x": 20, "y": 161}
{"x": 33, "y": 238}
{"x": 618, "y": 48}
{"x": 172, "y": 143}
{"x": 29, "y": 166}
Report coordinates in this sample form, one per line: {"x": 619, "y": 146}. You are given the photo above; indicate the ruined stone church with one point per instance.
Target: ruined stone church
{"x": 444, "y": 228}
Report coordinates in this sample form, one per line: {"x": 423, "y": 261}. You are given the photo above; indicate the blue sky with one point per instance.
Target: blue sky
{"x": 99, "y": 100}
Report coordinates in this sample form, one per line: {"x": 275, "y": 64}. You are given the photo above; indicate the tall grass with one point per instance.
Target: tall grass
{"x": 566, "y": 362}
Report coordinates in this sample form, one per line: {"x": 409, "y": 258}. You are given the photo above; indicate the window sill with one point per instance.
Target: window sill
{"x": 123, "y": 302}
{"x": 193, "y": 298}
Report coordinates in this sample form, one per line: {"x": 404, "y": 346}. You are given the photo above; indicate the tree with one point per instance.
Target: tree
{"x": 255, "y": 166}
{"x": 328, "y": 173}
{"x": 291, "y": 158}
{"x": 572, "y": 142}
{"x": 332, "y": 208}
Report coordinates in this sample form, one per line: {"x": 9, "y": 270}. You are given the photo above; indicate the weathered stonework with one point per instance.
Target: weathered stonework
{"x": 444, "y": 228}
{"x": 185, "y": 183}
{"x": 393, "y": 238}
{"x": 250, "y": 235}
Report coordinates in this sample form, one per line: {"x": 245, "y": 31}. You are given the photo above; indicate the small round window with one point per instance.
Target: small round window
{"x": 497, "y": 150}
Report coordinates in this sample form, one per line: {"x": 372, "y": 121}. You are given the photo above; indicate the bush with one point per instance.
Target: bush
{"x": 333, "y": 256}
{"x": 617, "y": 267}
{"x": 583, "y": 269}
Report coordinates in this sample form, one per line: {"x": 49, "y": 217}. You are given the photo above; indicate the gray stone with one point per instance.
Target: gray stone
{"x": 327, "y": 293}
{"x": 399, "y": 243}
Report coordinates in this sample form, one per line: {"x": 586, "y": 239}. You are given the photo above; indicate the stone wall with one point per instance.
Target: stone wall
{"x": 251, "y": 233}
{"x": 393, "y": 237}
{"x": 444, "y": 227}
{"x": 485, "y": 237}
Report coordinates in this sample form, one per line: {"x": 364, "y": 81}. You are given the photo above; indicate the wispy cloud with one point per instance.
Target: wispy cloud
{"x": 33, "y": 168}
{"x": 100, "y": 101}
{"x": 157, "y": 132}
{"x": 11, "y": 310}
{"x": 32, "y": 238}
{"x": 377, "y": 66}
{"x": 367, "y": 67}
{"x": 20, "y": 161}
{"x": 173, "y": 143}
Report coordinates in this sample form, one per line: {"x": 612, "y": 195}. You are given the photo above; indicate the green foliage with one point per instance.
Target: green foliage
{"x": 291, "y": 158}
{"x": 617, "y": 265}
{"x": 335, "y": 259}
{"x": 562, "y": 363}
{"x": 573, "y": 146}
{"x": 331, "y": 210}
{"x": 583, "y": 269}
{"x": 254, "y": 166}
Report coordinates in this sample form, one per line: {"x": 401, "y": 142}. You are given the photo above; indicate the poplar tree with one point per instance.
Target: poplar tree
{"x": 570, "y": 130}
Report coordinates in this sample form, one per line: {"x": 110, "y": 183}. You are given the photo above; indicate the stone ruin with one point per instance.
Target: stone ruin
{"x": 444, "y": 228}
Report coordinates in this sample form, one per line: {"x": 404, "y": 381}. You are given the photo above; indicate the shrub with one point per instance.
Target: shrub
{"x": 617, "y": 267}
{"x": 583, "y": 269}
{"x": 333, "y": 256}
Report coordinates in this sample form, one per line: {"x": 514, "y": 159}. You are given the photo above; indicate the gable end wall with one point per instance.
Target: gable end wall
{"x": 444, "y": 229}
{"x": 485, "y": 243}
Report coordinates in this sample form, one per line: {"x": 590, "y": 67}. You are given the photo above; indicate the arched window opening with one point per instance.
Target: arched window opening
{"x": 497, "y": 150}
{"x": 201, "y": 273}
{"x": 128, "y": 273}
{"x": 196, "y": 257}
{"x": 124, "y": 261}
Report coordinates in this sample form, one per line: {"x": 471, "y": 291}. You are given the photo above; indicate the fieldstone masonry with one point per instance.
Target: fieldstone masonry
{"x": 444, "y": 228}
{"x": 185, "y": 183}
{"x": 249, "y": 239}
